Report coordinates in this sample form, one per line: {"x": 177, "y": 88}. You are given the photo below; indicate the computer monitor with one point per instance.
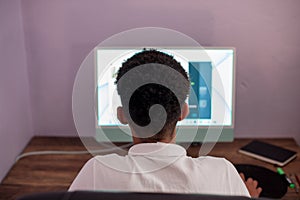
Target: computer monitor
{"x": 212, "y": 74}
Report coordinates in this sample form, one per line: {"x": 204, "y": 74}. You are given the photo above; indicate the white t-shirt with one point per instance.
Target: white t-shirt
{"x": 160, "y": 167}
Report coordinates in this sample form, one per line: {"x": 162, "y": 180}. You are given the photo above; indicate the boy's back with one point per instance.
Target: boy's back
{"x": 160, "y": 167}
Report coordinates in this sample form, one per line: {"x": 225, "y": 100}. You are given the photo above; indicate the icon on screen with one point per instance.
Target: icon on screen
{"x": 203, "y": 91}
{"x": 203, "y": 103}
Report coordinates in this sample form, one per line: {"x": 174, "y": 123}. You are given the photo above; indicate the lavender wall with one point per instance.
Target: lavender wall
{"x": 15, "y": 114}
{"x": 59, "y": 34}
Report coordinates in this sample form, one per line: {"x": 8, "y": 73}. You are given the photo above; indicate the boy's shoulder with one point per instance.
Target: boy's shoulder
{"x": 216, "y": 162}
{"x": 110, "y": 161}
{"x": 212, "y": 159}
{"x": 107, "y": 158}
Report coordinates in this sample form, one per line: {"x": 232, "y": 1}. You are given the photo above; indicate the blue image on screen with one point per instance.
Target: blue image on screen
{"x": 201, "y": 78}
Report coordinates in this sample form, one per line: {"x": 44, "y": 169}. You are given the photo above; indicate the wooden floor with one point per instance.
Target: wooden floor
{"x": 42, "y": 173}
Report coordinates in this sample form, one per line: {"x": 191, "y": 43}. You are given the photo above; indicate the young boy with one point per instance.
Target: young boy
{"x": 155, "y": 163}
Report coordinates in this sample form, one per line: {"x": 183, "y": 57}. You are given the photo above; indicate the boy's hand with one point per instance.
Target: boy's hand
{"x": 251, "y": 186}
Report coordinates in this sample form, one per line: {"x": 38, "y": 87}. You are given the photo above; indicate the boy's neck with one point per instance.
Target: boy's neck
{"x": 164, "y": 140}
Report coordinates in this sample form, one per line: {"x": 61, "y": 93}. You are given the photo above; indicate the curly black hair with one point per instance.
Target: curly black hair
{"x": 152, "y": 93}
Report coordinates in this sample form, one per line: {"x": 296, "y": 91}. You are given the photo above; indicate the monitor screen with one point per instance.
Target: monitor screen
{"x": 211, "y": 100}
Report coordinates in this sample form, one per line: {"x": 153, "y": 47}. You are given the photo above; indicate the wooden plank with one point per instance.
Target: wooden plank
{"x": 46, "y": 170}
{"x": 12, "y": 192}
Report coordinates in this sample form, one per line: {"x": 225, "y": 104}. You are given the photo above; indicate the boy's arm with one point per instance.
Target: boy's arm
{"x": 85, "y": 178}
{"x": 236, "y": 184}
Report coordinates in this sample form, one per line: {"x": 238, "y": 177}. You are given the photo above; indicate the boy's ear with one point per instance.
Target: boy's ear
{"x": 184, "y": 111}
{"x": 121, "y": 116}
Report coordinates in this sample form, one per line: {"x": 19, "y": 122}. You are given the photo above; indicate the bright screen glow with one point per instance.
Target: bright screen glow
{"x": 211, "y": 71}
